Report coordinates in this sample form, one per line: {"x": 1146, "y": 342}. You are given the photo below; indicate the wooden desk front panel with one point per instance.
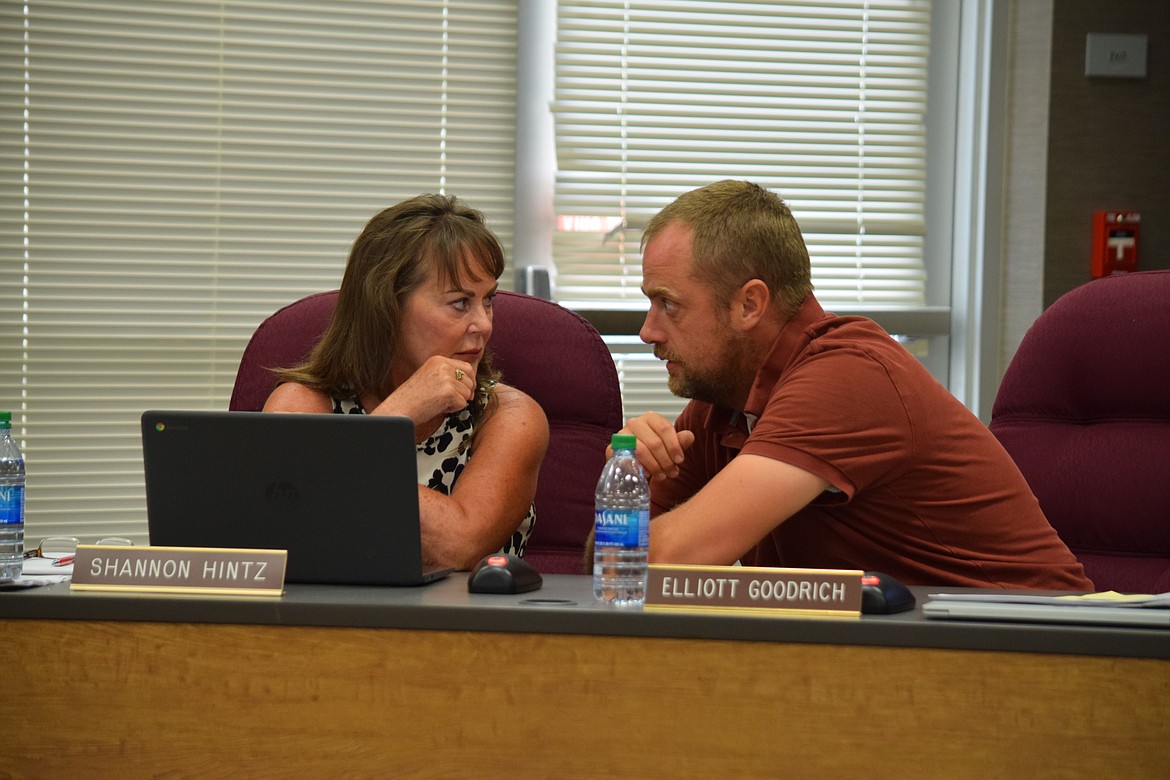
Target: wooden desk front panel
{"x": 126, "y": 699}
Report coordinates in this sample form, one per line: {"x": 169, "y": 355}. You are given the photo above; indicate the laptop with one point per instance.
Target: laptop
{"x": 947, "y": 609}
{"x": 339, "y": 492}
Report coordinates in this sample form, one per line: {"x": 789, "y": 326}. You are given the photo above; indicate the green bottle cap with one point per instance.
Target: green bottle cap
{"x": 623, "y": 441}
{"x": 5, "y": 419}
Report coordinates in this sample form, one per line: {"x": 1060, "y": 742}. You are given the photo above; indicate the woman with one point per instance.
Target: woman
{"x": 408, "y": 338}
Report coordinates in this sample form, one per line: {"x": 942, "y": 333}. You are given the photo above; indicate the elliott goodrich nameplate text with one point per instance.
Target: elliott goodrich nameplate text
{"x": 755, "y": 590}
{"x": 203, "y": 570}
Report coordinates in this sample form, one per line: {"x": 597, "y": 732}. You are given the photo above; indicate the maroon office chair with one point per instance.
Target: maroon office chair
{"x": 1084, "y": 409}
{"x": 549, "y": 352}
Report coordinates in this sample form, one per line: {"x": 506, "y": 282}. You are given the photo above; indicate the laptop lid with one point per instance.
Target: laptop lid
{"x": 1043, "y": 613}
{"x": 339, "y": 492}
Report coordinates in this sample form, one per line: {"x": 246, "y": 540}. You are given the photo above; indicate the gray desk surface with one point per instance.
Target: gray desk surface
{"x": 564, "y": 605}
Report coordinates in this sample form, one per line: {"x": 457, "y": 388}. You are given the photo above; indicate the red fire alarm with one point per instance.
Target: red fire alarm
{"x": 1115, "y": 242}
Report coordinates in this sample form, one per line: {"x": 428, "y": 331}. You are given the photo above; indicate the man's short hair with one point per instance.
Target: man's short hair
{"x": 741, "y": 232}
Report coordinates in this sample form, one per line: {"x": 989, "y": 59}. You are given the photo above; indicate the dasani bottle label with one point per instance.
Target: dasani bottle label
{"x": 11, "y": 504}
{"x": 622, "y": 528}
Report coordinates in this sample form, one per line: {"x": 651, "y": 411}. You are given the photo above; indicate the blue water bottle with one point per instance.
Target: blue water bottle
{"x": 11, "y": 502}
{"x": 621, "y": 534}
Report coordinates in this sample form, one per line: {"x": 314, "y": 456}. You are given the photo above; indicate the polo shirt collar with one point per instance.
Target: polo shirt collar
{"x": 793, "y": 339}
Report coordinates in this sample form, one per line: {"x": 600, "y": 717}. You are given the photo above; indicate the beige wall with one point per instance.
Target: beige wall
{"x": 1108, "y": 138}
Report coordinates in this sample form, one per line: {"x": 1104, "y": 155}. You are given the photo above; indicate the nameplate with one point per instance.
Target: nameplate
{"x": 201, "y": 570}
{"x": 755, "y": 590}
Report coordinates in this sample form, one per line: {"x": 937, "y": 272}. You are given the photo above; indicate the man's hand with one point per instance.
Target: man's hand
{"x": 660, "y": 447}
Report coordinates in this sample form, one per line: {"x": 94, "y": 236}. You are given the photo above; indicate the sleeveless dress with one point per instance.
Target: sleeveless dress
{"x": 442, "y": 458}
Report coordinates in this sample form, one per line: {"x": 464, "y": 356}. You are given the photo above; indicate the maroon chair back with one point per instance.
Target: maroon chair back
{"x": 1084, "y": 409}
{"x": 549, "y": 352}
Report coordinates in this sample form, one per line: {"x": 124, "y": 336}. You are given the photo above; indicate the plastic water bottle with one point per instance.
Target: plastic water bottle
{"x": 11, "y": 502}
{"x": 621, "y": 536}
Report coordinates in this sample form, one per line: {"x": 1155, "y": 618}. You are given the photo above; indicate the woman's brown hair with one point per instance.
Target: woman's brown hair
{"x": 389, "y": 260}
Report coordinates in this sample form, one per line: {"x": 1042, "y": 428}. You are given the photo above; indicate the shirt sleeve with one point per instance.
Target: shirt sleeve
{"x": 840, "y": 416}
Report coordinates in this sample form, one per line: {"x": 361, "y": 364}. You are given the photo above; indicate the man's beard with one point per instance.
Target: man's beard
{"x": 716, "y": 384}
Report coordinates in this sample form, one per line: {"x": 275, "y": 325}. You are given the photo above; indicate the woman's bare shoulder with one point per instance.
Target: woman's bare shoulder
{"x": 293, "y": 397}
{"x": 508, "y": 397}
{"x": 516, "y": 408}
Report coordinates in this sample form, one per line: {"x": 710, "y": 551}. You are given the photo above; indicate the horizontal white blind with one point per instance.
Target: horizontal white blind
{"x": 823, "y": 102}
{"x": 190, "y": 168}
{"x": 643, "y": 379}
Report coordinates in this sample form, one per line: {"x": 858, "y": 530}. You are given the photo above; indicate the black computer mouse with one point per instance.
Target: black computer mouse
{"x": 503, "y": 573}
{"x": 882, "y": 594}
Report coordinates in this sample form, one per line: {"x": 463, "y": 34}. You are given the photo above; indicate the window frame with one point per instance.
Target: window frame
{"x": 959, "y": 325}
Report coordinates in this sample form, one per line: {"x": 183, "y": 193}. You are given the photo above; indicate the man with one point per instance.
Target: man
{"x": 813, "y": 440}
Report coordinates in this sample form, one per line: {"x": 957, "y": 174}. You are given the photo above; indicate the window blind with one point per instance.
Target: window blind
{"x": 823, "y": 102}
{"x": 174, "y": 172}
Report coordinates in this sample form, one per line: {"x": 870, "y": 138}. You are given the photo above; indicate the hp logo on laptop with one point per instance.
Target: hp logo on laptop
{"x": 282, "y": 495}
